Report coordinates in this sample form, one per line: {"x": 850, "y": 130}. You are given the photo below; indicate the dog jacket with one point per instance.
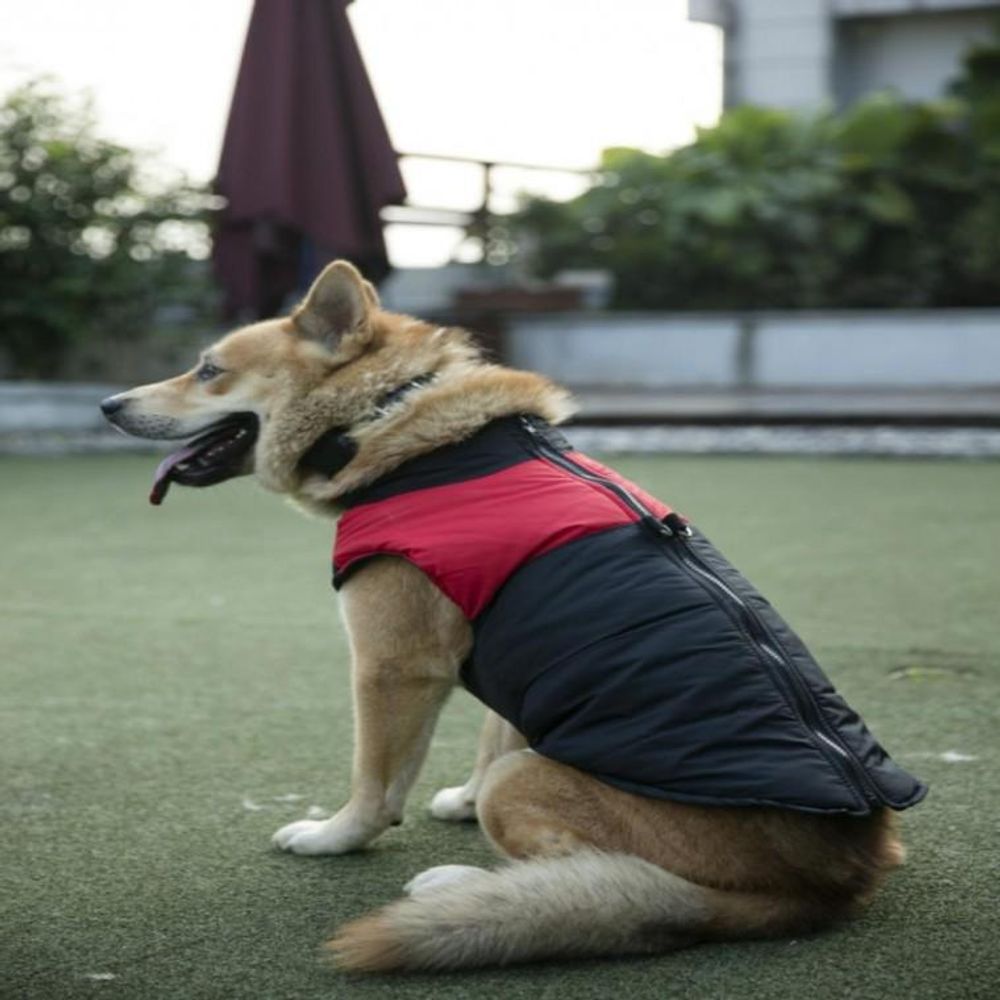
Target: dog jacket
{"x": 613, "y": 635}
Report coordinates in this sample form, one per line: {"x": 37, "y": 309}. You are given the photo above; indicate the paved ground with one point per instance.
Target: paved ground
{"x": 918, "y": 405}
{"x": 173, "y": 689}
{"x": 798, "y": 439}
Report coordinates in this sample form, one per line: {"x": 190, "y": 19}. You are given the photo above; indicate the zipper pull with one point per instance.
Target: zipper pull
{"x": 675, "y": 525}
{"x": 658, "y": 527}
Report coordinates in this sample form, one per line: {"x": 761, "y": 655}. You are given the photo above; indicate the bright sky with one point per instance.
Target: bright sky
{"x": 534, "y": 81}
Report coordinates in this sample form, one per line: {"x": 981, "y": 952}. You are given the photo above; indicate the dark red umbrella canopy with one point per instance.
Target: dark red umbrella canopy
{"x": 306, "y": 162}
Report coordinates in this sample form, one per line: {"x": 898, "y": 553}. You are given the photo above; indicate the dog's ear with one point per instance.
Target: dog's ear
{"x": 339, "y": 303}
{"x": 372, "y": 294}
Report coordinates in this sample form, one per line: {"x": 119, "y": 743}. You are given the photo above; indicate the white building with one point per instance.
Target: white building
{"x": 810, "y": 53}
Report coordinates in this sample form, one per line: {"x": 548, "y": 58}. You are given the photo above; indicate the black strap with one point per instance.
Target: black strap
{"x": 333, "y": 449}
{"x": 401, "y": 391}
{"x": 330, "y": 453}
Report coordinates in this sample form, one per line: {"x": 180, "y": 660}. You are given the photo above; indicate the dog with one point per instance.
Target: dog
{"x": 662, "y": 762}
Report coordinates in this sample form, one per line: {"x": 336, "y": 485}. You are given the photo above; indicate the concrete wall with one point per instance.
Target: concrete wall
{"x": 951, "y": 348}
{"x": 627, "y": 349}
{"x": 803, "y": 54}
{"x": 779, "y": 52}
{"x": 916, "y": 55}
{"x": 52, "y": 406}
{"x": 948, "y": 348}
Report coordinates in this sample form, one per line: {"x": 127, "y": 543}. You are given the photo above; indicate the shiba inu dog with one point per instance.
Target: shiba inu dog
{"x": 663, "y": 764}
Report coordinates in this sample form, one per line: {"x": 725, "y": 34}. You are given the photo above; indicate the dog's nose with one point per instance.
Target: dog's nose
{"x": 111, "y": 405}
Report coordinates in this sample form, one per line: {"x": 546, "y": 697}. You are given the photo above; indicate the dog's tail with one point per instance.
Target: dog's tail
{"x": 585, "y": 904}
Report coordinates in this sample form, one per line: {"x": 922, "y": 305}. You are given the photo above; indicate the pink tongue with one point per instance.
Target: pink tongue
{"x": 164, "y": 473}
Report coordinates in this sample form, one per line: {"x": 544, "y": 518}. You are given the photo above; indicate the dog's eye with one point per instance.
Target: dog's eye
{"x": 207, "y": 371}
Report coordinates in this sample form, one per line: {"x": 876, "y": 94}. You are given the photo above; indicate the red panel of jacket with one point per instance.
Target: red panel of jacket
{"x": 469, "y": 537}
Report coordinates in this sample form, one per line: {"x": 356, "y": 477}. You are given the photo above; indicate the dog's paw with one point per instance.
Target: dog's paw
{"x": 434, "y": 878}
{"x": 327, "y": 836}
{"x": 453, "y": 804}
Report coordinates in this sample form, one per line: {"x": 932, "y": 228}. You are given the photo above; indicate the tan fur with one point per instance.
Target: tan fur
{"x": 654, "y": 876}
{"x": 593, "y": 870}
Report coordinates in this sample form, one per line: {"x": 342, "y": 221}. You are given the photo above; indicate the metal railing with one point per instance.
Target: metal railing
{"x": 479, "y": 222}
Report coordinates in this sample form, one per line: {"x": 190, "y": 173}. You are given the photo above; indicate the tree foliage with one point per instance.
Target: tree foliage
{"x": 888, "y": 204}
{"x": 89, "y": 245}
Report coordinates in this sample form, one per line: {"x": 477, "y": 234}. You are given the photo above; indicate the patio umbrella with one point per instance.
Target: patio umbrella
{"x": 306, "y": 161}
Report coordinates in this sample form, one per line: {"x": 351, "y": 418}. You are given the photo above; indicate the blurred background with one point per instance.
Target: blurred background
{"x": 726, "y": 224}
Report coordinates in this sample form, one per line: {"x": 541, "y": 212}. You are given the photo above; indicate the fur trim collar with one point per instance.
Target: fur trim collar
{"x": 458, "y": 403}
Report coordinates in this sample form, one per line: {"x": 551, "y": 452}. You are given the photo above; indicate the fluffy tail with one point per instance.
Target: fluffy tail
{"x": 585, "y": 904}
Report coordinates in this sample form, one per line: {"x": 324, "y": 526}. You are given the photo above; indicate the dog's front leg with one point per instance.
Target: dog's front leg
{"x": 408, "y": 642}
{"x": 496, "y": 738}
{"x": 394, "y": 719}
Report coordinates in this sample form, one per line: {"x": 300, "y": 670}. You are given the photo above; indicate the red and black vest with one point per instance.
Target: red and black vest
{"x": 612, "y": 634}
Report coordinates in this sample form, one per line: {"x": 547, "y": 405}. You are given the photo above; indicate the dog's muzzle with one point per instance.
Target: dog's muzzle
{"x": 217, "y": 454}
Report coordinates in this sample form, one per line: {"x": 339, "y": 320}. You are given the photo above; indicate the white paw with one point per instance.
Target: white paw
{"x": 328, "y": 836}
{"x": 453, "y": 804}
{"x": 436, "y": 877}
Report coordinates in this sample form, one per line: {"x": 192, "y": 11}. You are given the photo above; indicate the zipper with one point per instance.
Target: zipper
{"x": 784, "y": 673}
{"x": 556, "y": 457}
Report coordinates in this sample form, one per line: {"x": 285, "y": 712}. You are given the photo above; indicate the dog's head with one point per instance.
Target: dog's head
{"x": 263, "y": 394}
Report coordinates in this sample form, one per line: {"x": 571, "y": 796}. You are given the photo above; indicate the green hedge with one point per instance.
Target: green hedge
{"x": 889, "y": 204}
{"x": 91, "y": 247}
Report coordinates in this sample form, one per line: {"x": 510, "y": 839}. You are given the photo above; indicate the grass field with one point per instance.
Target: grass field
{"x": 174, "y": 688}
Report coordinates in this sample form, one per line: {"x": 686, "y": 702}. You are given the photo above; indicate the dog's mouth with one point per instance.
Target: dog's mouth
{"x": 215, "y": 455}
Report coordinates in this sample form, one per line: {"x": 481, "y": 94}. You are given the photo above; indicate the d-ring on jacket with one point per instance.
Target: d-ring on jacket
{"x": 613, "y": 635}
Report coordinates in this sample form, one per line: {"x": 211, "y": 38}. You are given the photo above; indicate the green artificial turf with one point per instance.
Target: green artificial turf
{"x": 172, "y": 677}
